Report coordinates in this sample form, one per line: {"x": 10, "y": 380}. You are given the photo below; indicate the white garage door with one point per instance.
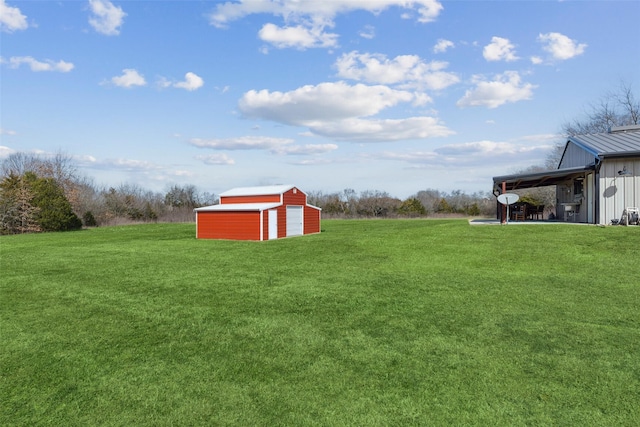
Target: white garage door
{"x": 294, "y": 220}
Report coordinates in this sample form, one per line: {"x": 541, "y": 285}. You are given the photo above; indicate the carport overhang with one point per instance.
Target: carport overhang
{"x": 537, "y": 179}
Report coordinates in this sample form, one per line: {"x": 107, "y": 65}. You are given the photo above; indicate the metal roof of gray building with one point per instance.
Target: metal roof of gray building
{"x": 621, "y": 141}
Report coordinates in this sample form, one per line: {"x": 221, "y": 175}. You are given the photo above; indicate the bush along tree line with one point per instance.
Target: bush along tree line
{"x": 48, "y": 194}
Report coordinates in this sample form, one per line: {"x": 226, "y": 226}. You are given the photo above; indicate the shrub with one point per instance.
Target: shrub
{"x": 412, "y": 207}
{"x": 89, "y": 220}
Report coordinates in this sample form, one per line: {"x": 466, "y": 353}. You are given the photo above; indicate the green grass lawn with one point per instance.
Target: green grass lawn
{"x": 370, "y": 323}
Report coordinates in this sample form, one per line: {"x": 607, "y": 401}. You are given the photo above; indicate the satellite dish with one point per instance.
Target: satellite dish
{"x": 508, "y": 198}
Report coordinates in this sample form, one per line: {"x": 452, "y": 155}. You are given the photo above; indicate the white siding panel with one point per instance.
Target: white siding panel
{"x": 575, "y": 156}
{"x": 273, "y": 224}
{"x": 618, "y": 192}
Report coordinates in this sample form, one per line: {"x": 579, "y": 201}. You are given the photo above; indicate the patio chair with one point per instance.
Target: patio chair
{"x": 520, "y": 212}
{"x": 538, "y": 212}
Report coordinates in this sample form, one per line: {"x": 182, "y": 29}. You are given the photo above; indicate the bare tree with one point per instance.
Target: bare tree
{"x": 619, "y": 108}
{"x": 429, "y": 199}
{"x": 377, "y": 204}
{"x": 182, "y": 197}
{"x": 616, "y": 108}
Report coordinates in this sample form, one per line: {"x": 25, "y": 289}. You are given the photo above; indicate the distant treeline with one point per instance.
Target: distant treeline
{"x": 48, "y": 194}
{"x": 379, "y": 204}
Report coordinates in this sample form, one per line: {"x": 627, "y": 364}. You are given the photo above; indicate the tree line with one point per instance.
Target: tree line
{"x": 40, "y": 193}
{"x": 379, "y": 204}
{"x": 47, "y": 193}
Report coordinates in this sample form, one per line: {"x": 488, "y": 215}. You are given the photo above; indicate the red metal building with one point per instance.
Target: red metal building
{"x": 258, "y": 213}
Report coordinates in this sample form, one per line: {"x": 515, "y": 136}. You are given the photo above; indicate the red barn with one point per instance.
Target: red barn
{"x": 258, "y": 213}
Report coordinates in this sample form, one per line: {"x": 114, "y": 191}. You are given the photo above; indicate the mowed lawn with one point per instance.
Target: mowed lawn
{"x": 369, "y": 323}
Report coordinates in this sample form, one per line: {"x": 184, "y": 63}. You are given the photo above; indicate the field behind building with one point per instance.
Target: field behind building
{"x": 369, "y": 323}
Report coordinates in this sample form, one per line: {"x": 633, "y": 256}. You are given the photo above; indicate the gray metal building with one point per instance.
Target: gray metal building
{"x": 597, "y": 179}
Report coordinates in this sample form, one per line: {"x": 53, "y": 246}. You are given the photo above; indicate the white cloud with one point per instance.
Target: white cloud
{"x": 242, "y": 143}
{"x": 216, "y": 159}
{"x": 131, "y": 165}
{"x": 298, "y": 36}
{"x": 273, "y": 145}
{"x": 381, "y": 130}
{"x": 139, "y": 169}
{"x": 307, "y": 149}
{"x": 443, "y": 45}
{"x": 500, "y": 49}
{"x": 561, "y": 47}
{"x": 337, "y": 110}
{"x": 501, "y": 154}
{"x": 305, "y": 21}
{"x": 428, "y": 10}
{"x": 163, "y": 83}
{"x": 7, "y": 132}
{"x": 106, "y": 18}
{"x": 420, "y": 157}
{"x": 128, "y": 165}
{"x": 407, "y": 70}
{"x": 536, "y": 60}
{"x": 11, "y": 19}
{"x": 35, "y": 65}
{"x": 323, "y": 102}
{"x": 191, "y": 82}
{"x": 6, "y": 151}
{"x": 506, "y": 87}
{"x": 85, "y": 159}
{"x": 129, "y": 79}
{"x": 485, "y": 149}
{"x": 368, "y": 32}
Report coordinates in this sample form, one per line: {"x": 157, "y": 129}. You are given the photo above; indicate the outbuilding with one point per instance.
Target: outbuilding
{"x": 258, "y": 213}
{"x": 597, "y": 180}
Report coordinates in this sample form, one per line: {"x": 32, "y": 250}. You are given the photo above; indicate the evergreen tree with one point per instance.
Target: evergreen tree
{"x": 55, "y": 212}
{"x": 30, "y": 204}
{"x": 89, "y": 220}
{"x": 17, "y": 213}
{"x": 412, "y": 207}
{"x": 443, "y": 206}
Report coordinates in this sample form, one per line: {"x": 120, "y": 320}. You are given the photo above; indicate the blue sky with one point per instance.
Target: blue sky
{"x": 389, "y": 95}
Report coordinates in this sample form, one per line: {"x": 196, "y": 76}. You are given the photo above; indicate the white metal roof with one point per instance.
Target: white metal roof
{"x": 238, "y": 207}
{"x": 257, "y": 191}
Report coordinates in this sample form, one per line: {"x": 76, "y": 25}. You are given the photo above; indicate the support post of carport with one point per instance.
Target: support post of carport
{"x": 503, "y": 217}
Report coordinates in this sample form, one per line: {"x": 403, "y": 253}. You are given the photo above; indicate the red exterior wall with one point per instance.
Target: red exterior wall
{"x": 282, "y": 222}
{"x": 294, "y": 197}
{"x": 265, "y": 225}
{"x": 273, "y": 198}
{"x": 229, "y": 225}
{"x": 311, "y": 220}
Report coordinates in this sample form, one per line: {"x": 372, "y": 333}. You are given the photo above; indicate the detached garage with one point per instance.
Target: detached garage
{"x": 258, "y": 213}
